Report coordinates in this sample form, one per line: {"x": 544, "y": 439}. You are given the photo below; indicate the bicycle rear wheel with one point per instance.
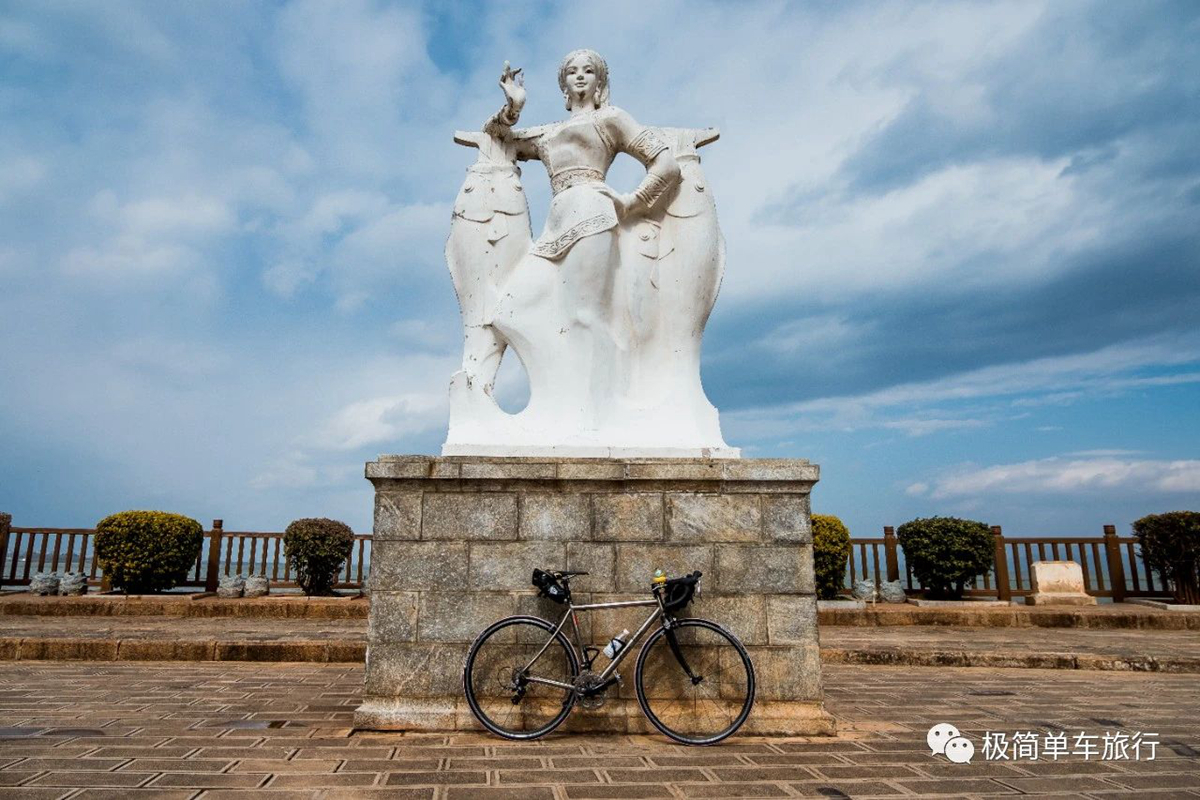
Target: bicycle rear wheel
{"x": 700, "y": 710}
{"x": 495, "y": 678}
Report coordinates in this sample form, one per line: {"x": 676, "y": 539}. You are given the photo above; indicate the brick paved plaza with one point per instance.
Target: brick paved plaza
{"x": 207, "y": 729}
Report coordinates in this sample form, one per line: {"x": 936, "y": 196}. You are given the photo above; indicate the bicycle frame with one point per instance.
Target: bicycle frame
{"x": 660, "y": 613}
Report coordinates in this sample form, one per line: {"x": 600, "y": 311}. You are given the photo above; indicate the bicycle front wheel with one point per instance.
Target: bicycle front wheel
{"x": 498, "y": 671}
{"x": 707, "y": 705}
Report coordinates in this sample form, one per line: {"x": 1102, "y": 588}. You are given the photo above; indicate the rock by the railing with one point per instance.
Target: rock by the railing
{"x": 864, "y": 590}
{"x": 257, "y": 586}
{"x": 892, "y": 592}
{"x": 73, "y": 584}
{"x": 364, "y": 589}
{"x": 231, "y": 586}
{"x": 43, "y": 583}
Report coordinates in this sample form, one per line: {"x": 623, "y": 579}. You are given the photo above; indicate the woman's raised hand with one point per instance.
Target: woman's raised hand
{"x": 513, "y": 84}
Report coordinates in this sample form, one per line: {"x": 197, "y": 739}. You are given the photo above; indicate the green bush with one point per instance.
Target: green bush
{"x": 831, "y": 548}
{"x": 316, "y": 550}
{"x": 147, "y": 551}
{"x": 945, "y": 553}
{"x": 1170, "y": 545}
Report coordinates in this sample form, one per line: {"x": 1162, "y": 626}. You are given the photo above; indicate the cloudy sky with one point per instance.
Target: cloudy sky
{"x": 963, "y": 267}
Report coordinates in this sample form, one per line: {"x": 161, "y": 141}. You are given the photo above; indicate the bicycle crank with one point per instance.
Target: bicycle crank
{"x": 589, "y": 688}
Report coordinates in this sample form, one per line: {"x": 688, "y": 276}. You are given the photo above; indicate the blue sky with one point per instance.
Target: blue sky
{"x": 963, "y": 245}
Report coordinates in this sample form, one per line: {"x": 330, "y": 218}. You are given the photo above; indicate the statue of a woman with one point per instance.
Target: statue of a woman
{"x": 570, "y": 306}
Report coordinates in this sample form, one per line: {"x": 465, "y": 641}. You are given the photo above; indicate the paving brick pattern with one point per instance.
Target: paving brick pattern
{"x": 207, "y": 730}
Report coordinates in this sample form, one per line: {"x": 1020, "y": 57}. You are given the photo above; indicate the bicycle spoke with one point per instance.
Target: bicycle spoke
{"x": 495, "y": 675}
{"x": 703, "y": 711}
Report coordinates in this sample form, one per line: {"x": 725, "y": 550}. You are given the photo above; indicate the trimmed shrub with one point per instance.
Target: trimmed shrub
{"x": 147, "y": 551}
{"x": 316, "y": 549}
{"x": 945, "y": 553}
{"x": 831, "y": 548}
{"x": 1170, "y": 545}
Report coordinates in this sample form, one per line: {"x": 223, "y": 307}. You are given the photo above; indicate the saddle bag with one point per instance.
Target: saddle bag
{"x": 547, "y": 586}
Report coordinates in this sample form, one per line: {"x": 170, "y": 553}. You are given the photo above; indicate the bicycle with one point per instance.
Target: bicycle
{"x": 694, "y": 679}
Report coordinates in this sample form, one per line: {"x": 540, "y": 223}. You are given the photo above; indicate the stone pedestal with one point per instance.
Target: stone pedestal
{"x": 1058, "y": 583}
{"x": 456, "y": 539}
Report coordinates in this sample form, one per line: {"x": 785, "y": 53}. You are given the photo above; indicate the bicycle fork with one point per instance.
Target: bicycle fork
{"x": 678, "y": 651}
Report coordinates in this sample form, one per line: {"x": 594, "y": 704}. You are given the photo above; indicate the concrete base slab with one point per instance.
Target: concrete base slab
{"x": 1059, "y": 599}
{"x": 1162, "y": 605}
{"x": 840, "y": 605}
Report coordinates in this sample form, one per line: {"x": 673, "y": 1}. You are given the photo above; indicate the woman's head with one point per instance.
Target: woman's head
{"x": 584, "y": 71}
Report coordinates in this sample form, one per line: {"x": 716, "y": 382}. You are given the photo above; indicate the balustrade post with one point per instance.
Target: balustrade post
{"x": 211, "y": 576}
{"x": 1116, "y": 567}
{"x": 5, "y": 526}
{"x": 889, "y": 553}
{"x": 1003, "y": 589}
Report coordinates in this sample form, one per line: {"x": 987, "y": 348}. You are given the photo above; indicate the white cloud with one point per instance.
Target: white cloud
{"x": 925, "y": 427}
{"x": 19, "y": 175}
{"x": 382, "y": 420}
{"x": 1070, "y": 476}
{"x": 1103, "y": 372}
{"x": 130, "y": 256}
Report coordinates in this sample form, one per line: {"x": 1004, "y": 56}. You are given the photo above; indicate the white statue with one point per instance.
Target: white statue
{"x": 606, "y": 309}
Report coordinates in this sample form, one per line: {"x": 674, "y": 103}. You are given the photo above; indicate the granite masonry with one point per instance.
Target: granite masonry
{"x": 456, "y": 539}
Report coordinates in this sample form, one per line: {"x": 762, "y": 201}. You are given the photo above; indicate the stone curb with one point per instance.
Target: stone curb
{"x": 1013, "y": 617}
{"x": 352, "y": 608}
{"x": 349, "y": 651}
{"x": 297, "y": 607}
{"x": 1001, "y": 659}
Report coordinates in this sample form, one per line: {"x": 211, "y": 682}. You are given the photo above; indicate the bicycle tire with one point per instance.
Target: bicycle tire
{"x": 489, "y": 684}
{"x": 728, "y": 682}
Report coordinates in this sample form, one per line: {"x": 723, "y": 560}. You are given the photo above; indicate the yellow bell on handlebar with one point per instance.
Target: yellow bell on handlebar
{"x": 660, "y": 577}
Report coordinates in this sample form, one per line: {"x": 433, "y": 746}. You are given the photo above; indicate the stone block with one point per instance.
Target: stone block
{"x": 787, "y": 673}
{"x": 628, "y": 517}
{"x": 557, "y": 517}
{"x": 714, "y": 517}
{"x": 399, "y": 566}
{"x": 671, "y": 470}
{"x": 393, "y": 617}
{"x": 501, "y": 470}
{"x": 468, "y": 516}
{"x": 765, "y": 569}
{"x": 598, "y": 560}
{"x": 597, "y": 470}
{"x": 400, "y": 467}
{"x": 770, "y": 469}
{"x": 636, "y": 563}
{"x": 397, "y": 515}
{"x": 509, "y": 565}
{"x": 787, "y": 518}
{"x": 414, "y": 669}
{"x": 791, "y": 619}
{"x": 744, "y": 615}
{"x": 460, "y": 616}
